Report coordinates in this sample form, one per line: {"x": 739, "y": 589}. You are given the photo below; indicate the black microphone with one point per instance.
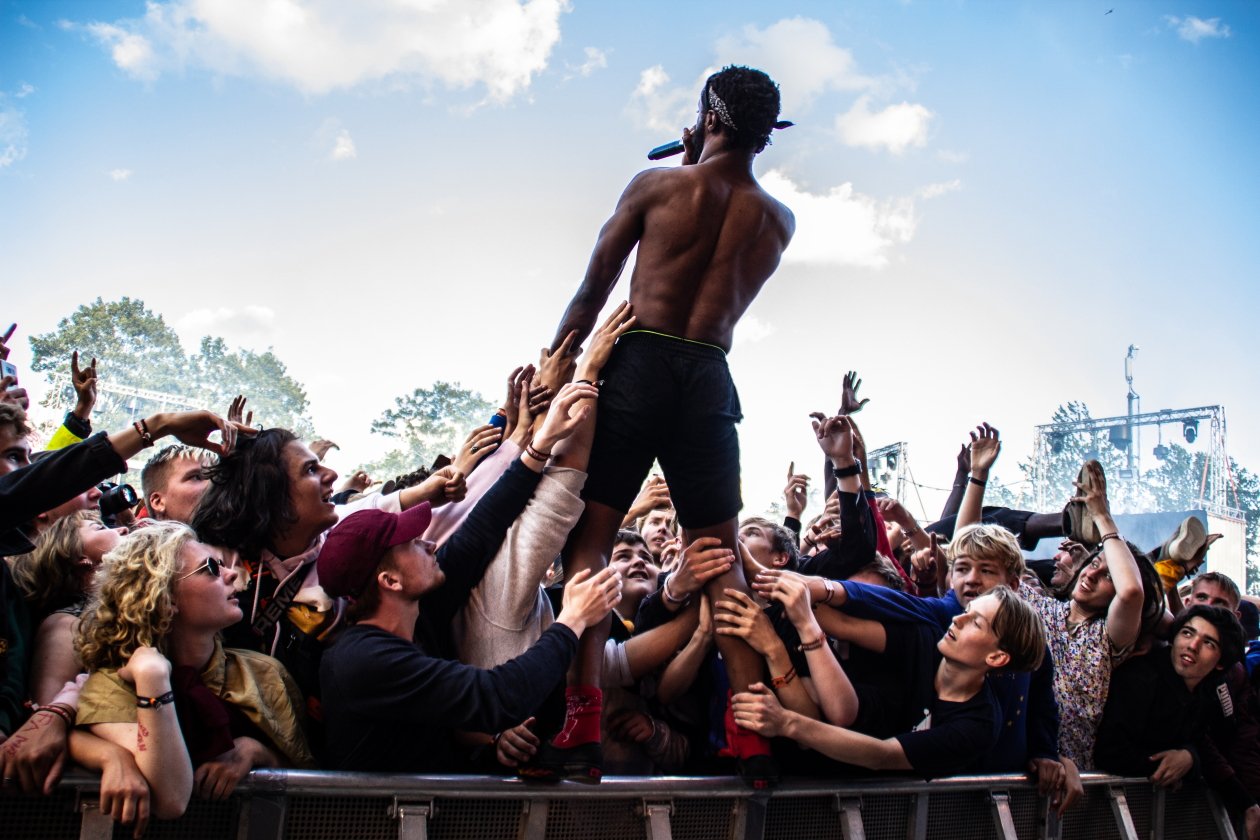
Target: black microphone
{"x": 674, "y": 147}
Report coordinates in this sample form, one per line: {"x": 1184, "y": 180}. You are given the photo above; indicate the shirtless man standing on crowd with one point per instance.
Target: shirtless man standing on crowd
{"x": 709, "y": 237}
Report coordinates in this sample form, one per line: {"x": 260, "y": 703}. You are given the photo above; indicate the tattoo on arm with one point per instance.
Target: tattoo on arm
{"x": 142, "y": 732}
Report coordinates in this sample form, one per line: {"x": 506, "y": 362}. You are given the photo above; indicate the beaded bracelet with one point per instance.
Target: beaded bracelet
{"x": 804, "y": 647}
{"x": 536, "y": 454}
{"x": 62, "y": 710}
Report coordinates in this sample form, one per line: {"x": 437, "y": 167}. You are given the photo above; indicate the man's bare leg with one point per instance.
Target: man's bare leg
{"x": 576, "y": 752}
{"x": 744, "y": 666}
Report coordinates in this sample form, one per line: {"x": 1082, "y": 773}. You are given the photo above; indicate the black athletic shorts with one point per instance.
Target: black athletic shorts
{"x": 673, "y": 400}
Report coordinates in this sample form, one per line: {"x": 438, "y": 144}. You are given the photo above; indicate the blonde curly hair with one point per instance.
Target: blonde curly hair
{"x": 134, "y": 606}
{"x": 47, "y": 576}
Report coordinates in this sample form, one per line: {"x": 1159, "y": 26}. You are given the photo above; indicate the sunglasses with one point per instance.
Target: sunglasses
{"x": 212, "y": 567}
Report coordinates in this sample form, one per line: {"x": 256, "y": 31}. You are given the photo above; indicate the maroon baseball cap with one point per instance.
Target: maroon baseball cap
{"x": 355, "y": 546}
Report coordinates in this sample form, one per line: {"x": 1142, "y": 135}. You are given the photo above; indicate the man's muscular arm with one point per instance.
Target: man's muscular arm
{"x": 616, "y": 239}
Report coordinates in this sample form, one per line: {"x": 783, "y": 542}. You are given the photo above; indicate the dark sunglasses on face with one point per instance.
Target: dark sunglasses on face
{"x": 211, "y": 566}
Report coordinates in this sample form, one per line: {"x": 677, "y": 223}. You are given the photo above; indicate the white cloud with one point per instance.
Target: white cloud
{"x": 938, "y": 190}
{"x": 950, "y": 156}
{"x": 1195, "y": 29}
{"x": 842, "y": 226}
{"x": 248, "y": 326}
{"x": 12, "y": 133}
{"x": 895, "y": 128}
{"x": 24, "y": 91}
{"x": 801, "y": 56}
{"x": 660, "y": 107}
{"x": 596, "y": 59}
{"x": 131, "y": 51}
{"x": 120, "y": 174}
{"x": 752, "y": 329}
{"x": 323, "y": 45}
{"x": 343, "y": 147}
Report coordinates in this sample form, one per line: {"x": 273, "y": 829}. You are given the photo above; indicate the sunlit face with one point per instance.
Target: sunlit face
{"x": 15, "y": 450}
{"x": 184, "y": 487}
{"x": 658, "y": 529}
{"x": 310, "y": 488}
{"x": 970, "y": 577}
{"x": 1211, "y": 593}
{"x": 1196, "y": 650}
{"x": 1094, "y": 590}
{"x": 1065, "y": 562}
{"x": 204, "y": 601}
{"x": 970, "y": 639}
{"x": 760, "y": 544}
{"x": 98, "y": 540}
{"x": 638, "y": 572}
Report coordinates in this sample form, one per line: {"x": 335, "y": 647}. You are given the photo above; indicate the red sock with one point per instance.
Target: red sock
{"x": 741, "y": 742}
{"x": 583, "y": 705}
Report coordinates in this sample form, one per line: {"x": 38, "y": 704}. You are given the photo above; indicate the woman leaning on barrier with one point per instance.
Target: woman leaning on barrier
{"x": 193, "y": 713}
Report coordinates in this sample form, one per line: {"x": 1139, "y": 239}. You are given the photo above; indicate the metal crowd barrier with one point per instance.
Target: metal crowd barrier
{"x": 273, "y": 804}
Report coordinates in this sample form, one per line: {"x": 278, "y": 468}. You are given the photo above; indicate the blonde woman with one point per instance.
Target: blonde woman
{"x": 56, "y": 579}
{"x": 193, "y": 714}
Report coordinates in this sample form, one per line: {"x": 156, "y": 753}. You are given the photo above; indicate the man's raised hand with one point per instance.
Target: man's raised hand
{"x": 985, "y": 447}
{"x": 702, "y": 561}
{"x": 601, "y": 343}
{"x": 849, "y": 403}
{"x": 835, "y": 437}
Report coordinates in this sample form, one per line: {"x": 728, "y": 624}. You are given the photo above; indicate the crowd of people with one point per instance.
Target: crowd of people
{"x": 255, "y": 611}
{"x": 536, "y": 607}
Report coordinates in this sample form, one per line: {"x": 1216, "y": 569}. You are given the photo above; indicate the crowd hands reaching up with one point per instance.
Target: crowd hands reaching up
{"x": 253, "y": 609}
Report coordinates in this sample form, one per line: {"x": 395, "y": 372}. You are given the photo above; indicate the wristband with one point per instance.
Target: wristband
{"x": 62, "y": 710}
{"x": 1114, "y": 535}
{"x": 142, "y": 429}
{"x": 779, "y": 682}
{"x": 536, "y": 454}
{"x": 678, "y": 602}
{"x": 848, "y": 472}
{"x": 155, "y": 702}
{"x": 831, "y": 591}
{"x": 978, "y": 482}
{"x": 804, "y": 647}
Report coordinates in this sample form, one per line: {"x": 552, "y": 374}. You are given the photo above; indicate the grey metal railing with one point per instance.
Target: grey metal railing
{"x": 318, "y": 805}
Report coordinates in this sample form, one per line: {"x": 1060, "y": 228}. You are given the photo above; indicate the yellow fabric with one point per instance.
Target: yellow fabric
{"x": 1170, "y": 572}
{"x": 62, "y": 438}
{"x": 256, "y": 684}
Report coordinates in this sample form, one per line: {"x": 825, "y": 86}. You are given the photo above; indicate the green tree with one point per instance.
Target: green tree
{"x": 428, "y": 422}
{"x": 136, "y": 349}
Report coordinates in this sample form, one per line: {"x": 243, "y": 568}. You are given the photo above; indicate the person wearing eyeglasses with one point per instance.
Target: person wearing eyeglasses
{"x": 195, "y": 715}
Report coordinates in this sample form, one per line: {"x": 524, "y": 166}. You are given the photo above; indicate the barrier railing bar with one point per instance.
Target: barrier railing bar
{"x": 1158, "y": 800}
{"x": 917, "y": 829}
{"x": 534, "y": 819}
{"x": 263, "y": 817}
{"x": 1003, "y": 820}
{"x": 1051, "y": 823}
{"x": 656, "y": 815}
{"x": 1224, "y": 827}
{"x": 1120, "y": 810}
{"x": 850, "y": 809}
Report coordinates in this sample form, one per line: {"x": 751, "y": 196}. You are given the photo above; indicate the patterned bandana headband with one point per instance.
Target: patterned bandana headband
{"x": 717, "y": 106}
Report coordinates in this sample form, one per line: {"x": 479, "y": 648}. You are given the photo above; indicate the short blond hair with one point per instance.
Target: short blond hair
{"x": 47, "y": 576}
{"x": 134, "y": 606}
{"x": 1019, "y": 629}
{"x": 989, "y": 542}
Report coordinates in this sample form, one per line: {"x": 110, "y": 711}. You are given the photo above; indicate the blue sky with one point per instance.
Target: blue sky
{"x": 994, "y": 199}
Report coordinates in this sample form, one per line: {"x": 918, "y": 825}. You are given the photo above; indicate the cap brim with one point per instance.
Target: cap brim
{"x": 412, "y": 523}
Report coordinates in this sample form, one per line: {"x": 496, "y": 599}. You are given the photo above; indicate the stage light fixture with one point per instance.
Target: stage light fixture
{"x": 1191, "y": 430}
{"x": 1162, "y": 452}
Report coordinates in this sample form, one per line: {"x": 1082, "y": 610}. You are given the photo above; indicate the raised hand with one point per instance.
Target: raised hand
{"x": 566, "y": 414}
{"x": 555, "y": 367}
{"x": 195, "y": 427}
{"x": 236, "y": 413}
{"x": 513, "y": 747}
{"x": 84, "y": 382}
{"x": 702, "y": 561}
{"x": 985, "y": 447}
{"x": 480, "y": 442}
{"x": 849, "y": 403}
{"x": 588, "y": 598}
{"x": 791, "y": 590}
{"x": 601, "y": 343}
{"x": 1094, "y": 491}
{"x": 835, "y": 438}
{"x": 796, "y": 492}
{"x": 653, "y": 495}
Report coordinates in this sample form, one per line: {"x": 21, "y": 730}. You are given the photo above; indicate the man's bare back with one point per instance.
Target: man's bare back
{"x": 708, "y": 236}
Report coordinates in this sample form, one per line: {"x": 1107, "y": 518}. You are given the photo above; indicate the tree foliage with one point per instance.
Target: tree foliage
{"x": 428, "y": 422}
{"x": 136, "y": 348}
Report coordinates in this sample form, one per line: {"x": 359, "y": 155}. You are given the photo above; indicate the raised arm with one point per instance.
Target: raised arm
{"x": 985, "y": 447}
{"x": 1124, "y": 615}
{"x": 616, "y": 239}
